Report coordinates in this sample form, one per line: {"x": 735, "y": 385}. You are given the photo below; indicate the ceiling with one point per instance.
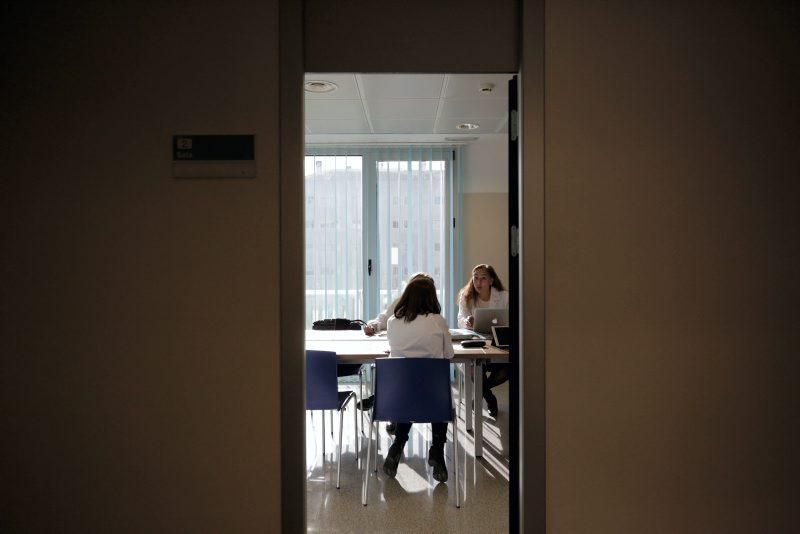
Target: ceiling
{"x": 407, "y": 104}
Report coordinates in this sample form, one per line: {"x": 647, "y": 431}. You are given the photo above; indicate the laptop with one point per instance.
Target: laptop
{"x": 501, "y": 336}
{"x": 460, "y": 334}
{"x": 486, "y": 318}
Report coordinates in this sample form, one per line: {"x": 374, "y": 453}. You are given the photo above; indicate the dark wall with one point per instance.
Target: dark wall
{"x": 411, "y": 36}
{"x": 671, "y": 180}
{"x": 139, "y": 382}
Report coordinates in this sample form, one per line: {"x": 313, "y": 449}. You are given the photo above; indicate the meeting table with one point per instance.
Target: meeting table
{"x": 353, "y": 346}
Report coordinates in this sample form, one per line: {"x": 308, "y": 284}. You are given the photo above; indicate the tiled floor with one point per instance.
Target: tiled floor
{"x": 413, "y": 501}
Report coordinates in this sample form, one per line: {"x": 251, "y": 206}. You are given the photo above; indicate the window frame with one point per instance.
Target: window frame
{"x": 453, "y": 207}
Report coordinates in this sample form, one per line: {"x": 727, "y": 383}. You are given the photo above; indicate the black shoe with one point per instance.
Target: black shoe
{"x": 436, "y": 460}
{"x": 390, "y": 428}
{"x": 366, "y": 404}
{"x": 491, "y": 402}
{"x": 393, "y": 458}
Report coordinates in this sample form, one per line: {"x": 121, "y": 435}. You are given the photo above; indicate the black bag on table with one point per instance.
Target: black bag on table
{"x": 337, "y": 324}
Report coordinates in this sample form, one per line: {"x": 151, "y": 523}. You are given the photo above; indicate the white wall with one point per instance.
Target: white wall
{"x": 486, "y": 165}
{"x": 486, "y": 205}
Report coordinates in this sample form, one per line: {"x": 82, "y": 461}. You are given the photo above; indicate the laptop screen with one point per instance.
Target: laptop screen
{"x": 486, "y": 318}
{"x": 501, "y": 336}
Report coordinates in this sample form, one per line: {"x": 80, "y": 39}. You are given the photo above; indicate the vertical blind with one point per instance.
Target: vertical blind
{"x": 390, "y": 209}
{"x": 333, "y": 237}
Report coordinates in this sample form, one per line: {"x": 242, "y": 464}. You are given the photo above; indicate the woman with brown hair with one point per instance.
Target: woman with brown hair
{"x": 418, "y": 330}
{"x": 484, "y": 290}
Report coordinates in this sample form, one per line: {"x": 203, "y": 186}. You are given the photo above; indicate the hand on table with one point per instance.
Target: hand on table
{"x": 470, "y": 320}
{"x": 369, "y": 330}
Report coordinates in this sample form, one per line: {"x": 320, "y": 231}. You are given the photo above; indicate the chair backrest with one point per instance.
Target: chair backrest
{"x": 322, "y": 390}
{"x": 412, "y": 390}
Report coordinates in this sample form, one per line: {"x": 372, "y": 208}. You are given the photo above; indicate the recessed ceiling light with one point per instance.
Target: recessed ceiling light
{"x": 319, "y": 86}
{"x": 468, "y": 126}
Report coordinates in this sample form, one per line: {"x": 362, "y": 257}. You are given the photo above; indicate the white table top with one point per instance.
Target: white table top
{"x": 355, "y": 346}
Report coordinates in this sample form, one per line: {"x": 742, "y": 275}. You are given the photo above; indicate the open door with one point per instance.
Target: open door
{"x": 513, "y": 305}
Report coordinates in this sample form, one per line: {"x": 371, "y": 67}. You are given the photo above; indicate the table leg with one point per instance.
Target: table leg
{"x": 478, "y": 433}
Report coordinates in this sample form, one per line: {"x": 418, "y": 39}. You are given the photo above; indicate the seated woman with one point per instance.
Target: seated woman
{"x": 418, "y": 330}
{"x": 374, "y": 326}
{"x": 378, "y": 324}
{"x": 484, "y": 290}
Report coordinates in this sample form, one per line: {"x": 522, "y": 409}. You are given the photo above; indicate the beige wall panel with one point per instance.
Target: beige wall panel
{"x": 140, "y": 380}
{"x": 411, "y": 36}
{"x": 485, "y": 233}
{"x": 672, "y": 259}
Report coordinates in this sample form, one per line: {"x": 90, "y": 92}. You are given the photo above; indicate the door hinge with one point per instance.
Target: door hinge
{"x": 513, "y": 124}
{"x": 514, "y": 241}
{"x": 369, "y": 267}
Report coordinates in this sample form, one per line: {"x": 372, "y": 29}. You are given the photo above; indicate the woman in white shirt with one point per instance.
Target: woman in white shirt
{"x": 484, "y": 290}
{"x": 418, "y": 330}
{"x": 379, "y": 323}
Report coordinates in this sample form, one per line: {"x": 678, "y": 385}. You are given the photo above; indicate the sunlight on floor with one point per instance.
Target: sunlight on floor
{"x": 413, "y": 500}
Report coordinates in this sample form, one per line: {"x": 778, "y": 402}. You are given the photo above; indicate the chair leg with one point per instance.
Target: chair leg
{"x": 331, "y": 416}
{"x": 377, "y": 430}
{"x": 356, "y": 436}
{"x": 323, "y": 435}
{"x": 361, "y": 374}
{"x": 455, "y": 458}
{"x": 339, "y": 447}
{"x": 365, "y": 485}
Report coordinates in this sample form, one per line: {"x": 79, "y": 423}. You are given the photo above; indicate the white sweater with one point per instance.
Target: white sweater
{"x": 427, "y": 336}
{"x": 497, "y": 299}
{"x": 379, "y": 322}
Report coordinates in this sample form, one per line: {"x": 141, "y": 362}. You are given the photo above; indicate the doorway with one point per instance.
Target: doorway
{"x": 450, "y": 43}
{"x": 404, "y": 173}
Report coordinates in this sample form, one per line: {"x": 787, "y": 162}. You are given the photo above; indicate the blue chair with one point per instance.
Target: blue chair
{"x": 412, "y": 390}
{"x": 322, "y": 393}
{"x": 344, "y": 369}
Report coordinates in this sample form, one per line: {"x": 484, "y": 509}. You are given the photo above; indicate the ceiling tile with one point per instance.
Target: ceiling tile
{"x": 388, "y": 86}
{"x": 419, "y": 108}
{"x": 337, "y": 126}
{"x": 475, "y": 109}
{"x": 400, "y": 126}
{"x": 334, "y": 109}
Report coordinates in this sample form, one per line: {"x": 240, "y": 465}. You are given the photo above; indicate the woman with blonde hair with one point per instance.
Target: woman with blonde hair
{"x": 484, "y": 290}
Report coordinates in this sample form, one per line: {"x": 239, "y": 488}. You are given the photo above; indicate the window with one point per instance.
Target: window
{"x": 334, "y": 280}
{"x": 379, "y": 215}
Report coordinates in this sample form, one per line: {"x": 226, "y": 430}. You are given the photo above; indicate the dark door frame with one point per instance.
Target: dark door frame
{"x": 527, "y": 511}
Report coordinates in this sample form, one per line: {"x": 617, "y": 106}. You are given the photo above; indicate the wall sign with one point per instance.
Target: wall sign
{"x": 213, "y": 156}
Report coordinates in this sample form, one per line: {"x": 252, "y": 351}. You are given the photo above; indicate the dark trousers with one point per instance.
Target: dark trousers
{"x": 439, "y": 431}
{"x": 494, "y": 374}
